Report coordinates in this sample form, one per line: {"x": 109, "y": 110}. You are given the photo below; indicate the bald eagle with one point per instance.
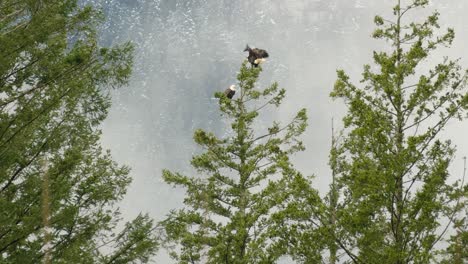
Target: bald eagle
{"x": 256, "y": 56}
{"x": 230, "y": 91}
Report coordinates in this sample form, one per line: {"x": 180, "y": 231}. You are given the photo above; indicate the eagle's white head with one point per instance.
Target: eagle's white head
{"x": 232, "y": 87}
{"x": 258, "y": 61}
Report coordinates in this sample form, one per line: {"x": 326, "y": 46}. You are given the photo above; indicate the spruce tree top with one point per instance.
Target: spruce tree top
{"x": 243, "y": 182}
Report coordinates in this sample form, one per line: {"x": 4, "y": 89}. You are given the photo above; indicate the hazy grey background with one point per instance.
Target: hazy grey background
{"x": 188, "y": 49}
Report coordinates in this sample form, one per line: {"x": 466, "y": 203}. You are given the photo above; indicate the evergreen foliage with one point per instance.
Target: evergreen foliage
{"x": 397, "y": 201}
{"x": 58, "y": 187}
{"x": 234, "y": 208}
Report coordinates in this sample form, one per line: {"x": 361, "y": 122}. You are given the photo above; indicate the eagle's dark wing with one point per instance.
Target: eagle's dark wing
{"x": 260, "y": 53}
{"x": 229, "y": 93}
{"x": 251, "y": 58}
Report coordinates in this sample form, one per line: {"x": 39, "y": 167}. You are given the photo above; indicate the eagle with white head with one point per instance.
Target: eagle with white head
{"x": 229, "y": 92}
{"x": 256, "y": 56}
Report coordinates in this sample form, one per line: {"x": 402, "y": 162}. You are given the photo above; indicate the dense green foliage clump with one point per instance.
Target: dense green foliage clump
{"x": 58, "y": 187}
{"x": 233, "y": 210}
{"x": 397, "y": 201}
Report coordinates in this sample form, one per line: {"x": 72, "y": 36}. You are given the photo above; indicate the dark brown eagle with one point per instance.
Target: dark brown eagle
{"x": 229, "y": 92}
{"x": 256, "y": 56}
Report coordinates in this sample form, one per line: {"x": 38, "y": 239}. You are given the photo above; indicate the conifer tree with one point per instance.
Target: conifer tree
{"x": 232, "y": 208}
{"x": 456, "y": 252}
{"x": 397, "y": 202}
{"x": 58, "y": 187}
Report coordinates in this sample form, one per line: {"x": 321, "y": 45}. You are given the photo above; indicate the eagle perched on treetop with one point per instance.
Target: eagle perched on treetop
{"x": 230, "y": 91}
{"x": 256, "y": 56}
